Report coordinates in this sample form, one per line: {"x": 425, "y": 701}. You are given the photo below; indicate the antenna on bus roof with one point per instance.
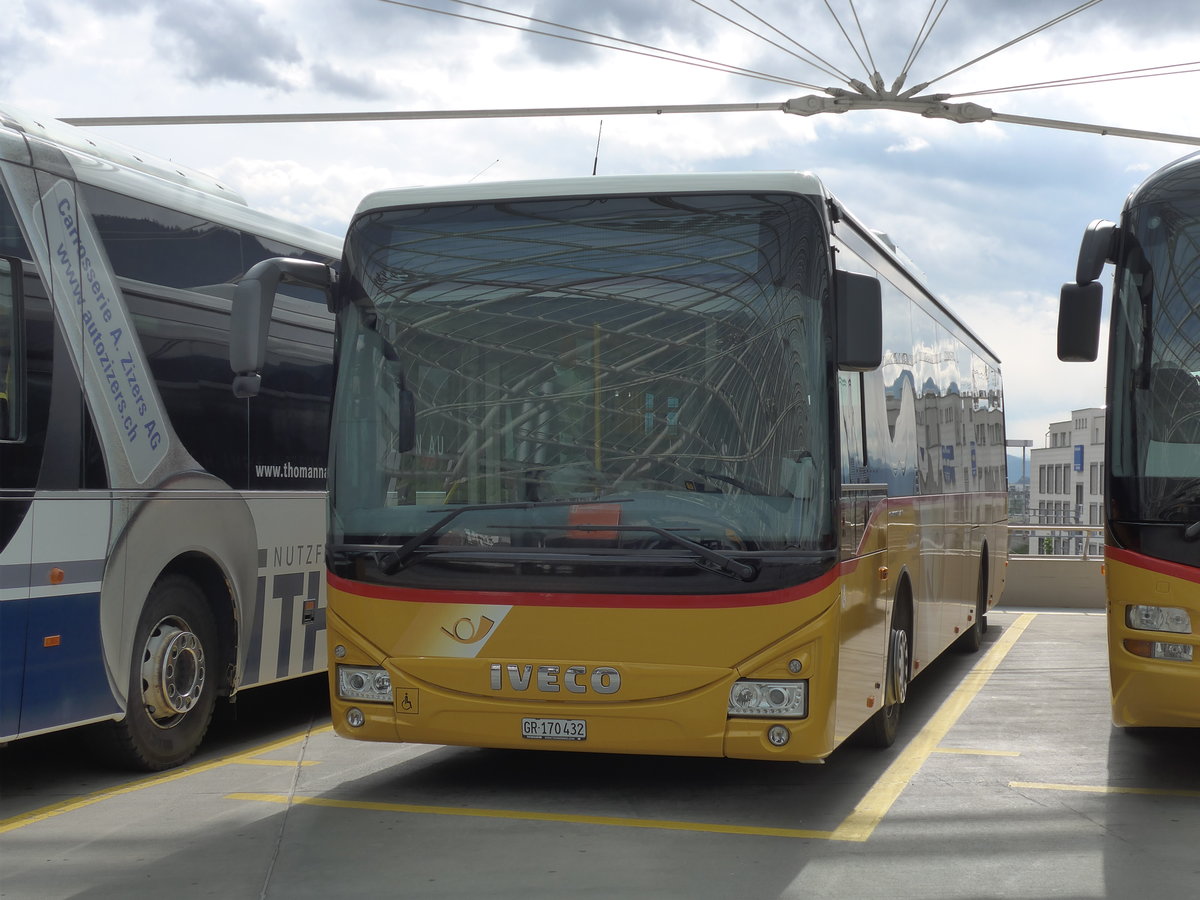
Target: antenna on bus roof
{"x": 484, "y": 169}
{"x": 596, "y": 160}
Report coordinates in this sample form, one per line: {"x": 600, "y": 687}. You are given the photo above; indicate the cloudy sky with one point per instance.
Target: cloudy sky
{"x": 991, "y": 212}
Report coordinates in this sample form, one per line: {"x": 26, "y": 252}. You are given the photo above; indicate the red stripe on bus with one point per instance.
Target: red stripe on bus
{"x": 1151, "y": 564}
{"x": 566, "y": 599}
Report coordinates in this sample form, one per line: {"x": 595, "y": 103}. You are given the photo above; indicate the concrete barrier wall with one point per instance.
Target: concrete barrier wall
{"x": 1042, "y": 581}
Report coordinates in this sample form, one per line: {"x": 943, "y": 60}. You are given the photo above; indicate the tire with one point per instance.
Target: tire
{"x": 972, "y": 639}
{"x": 172, "y": 680}
{"x": 881, "y": 729}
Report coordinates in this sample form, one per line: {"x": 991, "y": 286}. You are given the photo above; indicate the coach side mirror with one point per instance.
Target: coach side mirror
{"x": 1079, "y": 308}
{"x": 253, "y": 300}
{"x": 1080, "y": 304}
{"x": 859, "y": 303}
{"x": 1095, "y": 250}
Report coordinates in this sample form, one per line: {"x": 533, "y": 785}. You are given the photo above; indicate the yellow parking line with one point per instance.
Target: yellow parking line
{"x": 859, "y": 825}
{"x": 856, "y": 827}
{"x": 617, "y": 821}
{"x": 1101, "y": 789}
{"x": 57, "y": 809}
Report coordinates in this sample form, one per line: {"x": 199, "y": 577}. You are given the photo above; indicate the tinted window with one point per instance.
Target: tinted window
{"x": 163, "y": 246}
{"x": 11, "y": 241}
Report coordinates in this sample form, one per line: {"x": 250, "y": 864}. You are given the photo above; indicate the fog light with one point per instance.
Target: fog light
{"x": 340, "y": 651}
{"x": 1160, "y": 650}
{"x": 355, "y": 717}
{"x": 778, "y": 735}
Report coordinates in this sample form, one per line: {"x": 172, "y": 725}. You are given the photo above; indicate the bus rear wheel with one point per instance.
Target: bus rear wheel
{"x": 172, "y": 680}
{"x": 972, "y": 639}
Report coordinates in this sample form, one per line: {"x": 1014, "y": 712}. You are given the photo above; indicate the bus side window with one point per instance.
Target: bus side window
{"x": 11, "y": 352}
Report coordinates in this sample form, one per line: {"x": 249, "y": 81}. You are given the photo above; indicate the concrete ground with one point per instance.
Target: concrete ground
{"x": 1008, "y": 781}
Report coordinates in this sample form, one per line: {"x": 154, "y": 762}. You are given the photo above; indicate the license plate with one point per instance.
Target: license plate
{"x": 554, "y": 729}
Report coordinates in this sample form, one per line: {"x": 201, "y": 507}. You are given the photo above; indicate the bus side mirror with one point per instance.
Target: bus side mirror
{"x": 253, "y": 300}
{"x": 859, "y": 302}
{"x": 1079, "y": 321}
{"x": 1079, "y": 304}
{"x": 1095, "y": 250}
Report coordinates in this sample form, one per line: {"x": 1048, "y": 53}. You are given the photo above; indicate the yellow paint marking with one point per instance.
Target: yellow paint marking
{"x": 965, "y": 751}
{"x": 859, "y": 825}
{"x": 616, "y": 821}
{"x": 1101, "y": 789}
{"x": 66, "y": 806}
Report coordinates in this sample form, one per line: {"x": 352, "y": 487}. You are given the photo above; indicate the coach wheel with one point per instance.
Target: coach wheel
{"x": 173, "y": 677}
{"x": 881, "y": 729}
{"x": 972, "y": 639}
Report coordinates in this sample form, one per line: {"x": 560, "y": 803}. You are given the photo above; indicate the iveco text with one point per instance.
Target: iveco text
{"x": 603, "y": 679}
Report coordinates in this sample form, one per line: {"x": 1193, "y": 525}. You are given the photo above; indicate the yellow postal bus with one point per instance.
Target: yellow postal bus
{"x": 688, "y": 465}
{"x": 1152, "y": 444}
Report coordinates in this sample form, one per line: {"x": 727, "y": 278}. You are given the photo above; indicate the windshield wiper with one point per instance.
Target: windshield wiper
{"x": 393, "y": 561}
{"x": 710, "y": 559}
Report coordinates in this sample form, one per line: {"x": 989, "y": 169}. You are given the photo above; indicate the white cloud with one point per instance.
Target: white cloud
{"x": 911, "y": 144}
{"x": 992, "y": 212}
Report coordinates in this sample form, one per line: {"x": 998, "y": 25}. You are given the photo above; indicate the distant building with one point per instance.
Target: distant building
{"x": 1067, "y": 485}
{"x": 1018, "y": 483}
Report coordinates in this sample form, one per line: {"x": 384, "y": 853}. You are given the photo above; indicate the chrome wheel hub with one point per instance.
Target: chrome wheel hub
{"x": 897, "y": 682}
{"x": 173, "y": 671}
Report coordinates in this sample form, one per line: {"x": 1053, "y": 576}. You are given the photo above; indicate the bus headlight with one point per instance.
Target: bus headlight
{"x": 769, "y": 698}
{"x": 1158, "y": 618}
{"x": 369, "y": 683}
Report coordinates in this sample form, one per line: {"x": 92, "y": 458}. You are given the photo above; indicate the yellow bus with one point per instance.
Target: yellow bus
{"x": 686, "y": 465}
{"x": 1152, "y": 444}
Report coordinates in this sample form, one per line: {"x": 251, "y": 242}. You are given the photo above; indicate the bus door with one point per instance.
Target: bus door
{"x": 16, "y": 538}
{"x": 52, "y": 668}
{"x": 863, "y": 552}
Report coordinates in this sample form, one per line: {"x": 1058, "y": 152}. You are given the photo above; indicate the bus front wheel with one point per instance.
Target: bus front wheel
{"x": 173, "y": 677}
{"x": 880, "y": 730}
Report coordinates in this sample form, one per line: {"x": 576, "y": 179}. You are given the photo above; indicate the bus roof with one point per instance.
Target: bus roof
{"x": 786, "y": 182}
{"x": 69, "y": 137}
{"x": 117, "y": 167}
{"x": 1167, "y": 179}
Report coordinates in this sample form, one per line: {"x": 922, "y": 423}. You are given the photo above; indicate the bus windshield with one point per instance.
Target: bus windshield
{"x": 1155, "y": 369}
{"x": 590, "y": 375}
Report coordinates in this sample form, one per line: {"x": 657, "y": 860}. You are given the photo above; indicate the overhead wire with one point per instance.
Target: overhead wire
{"x": 927, "y": 27}
{"x": 647, "y": 51}
{"x": 1126, "y": 75}
{"x": 922, "y": 36}
{"x": 831, "y": 70}
{"x": 823, "y": 66}
{"x": 849, "y": 40}
{"x": 862, "y": 34}
{"x": 1055, "y": 21}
